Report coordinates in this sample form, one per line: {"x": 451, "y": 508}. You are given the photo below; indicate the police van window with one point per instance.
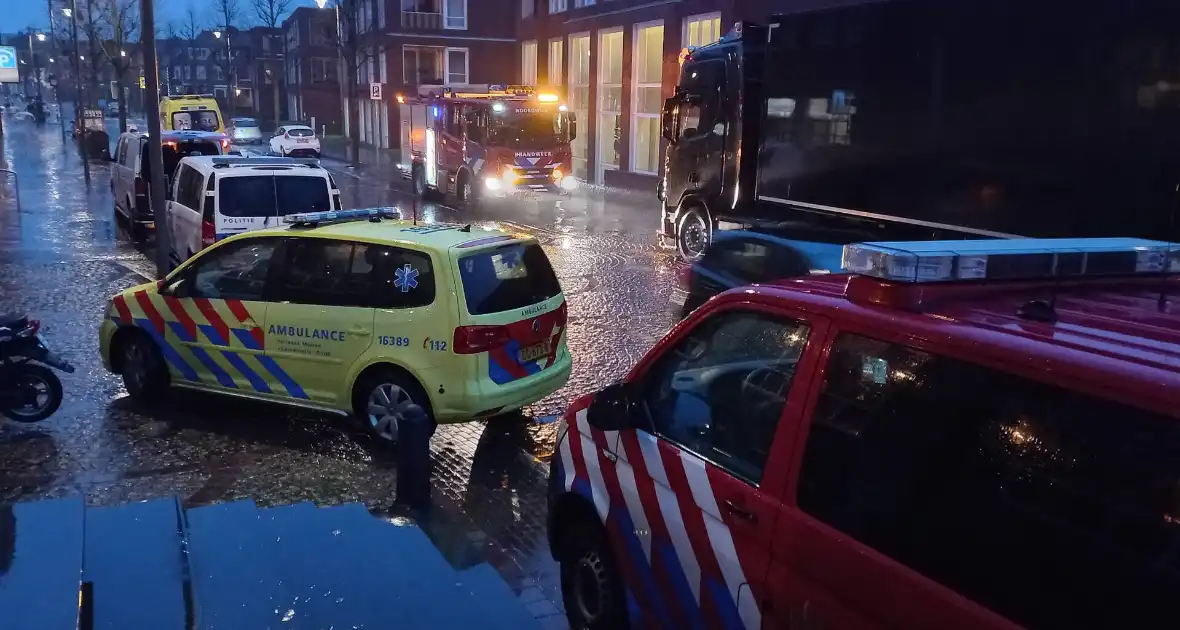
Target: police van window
{"x": 188, "y": 187}
{"x": 721, "y": 390}
{"x": 744, "y": 259}
{"x": 268, "y": 196}
{"x": 343, "y": 273}
{"x": 1053, "y": 508}
{"x": 236, "y": 271}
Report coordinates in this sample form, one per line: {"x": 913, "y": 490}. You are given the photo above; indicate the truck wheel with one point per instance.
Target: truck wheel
{"x": 591, "y": 589}
{"x": 694, "y": 234}
{"x": 465, "y": 191}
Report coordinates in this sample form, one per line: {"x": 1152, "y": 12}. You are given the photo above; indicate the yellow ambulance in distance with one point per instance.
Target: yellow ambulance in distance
{"x": 191, "y": 112}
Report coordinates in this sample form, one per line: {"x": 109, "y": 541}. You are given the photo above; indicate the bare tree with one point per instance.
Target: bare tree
{"x": 119, "y": 21}
{"x": 96, "y": 34}
{"x": 226, "y": 16}
{"x": 188, "y": 30}
{"x": 270, "y": 14}
{"x": 358, "y": 38}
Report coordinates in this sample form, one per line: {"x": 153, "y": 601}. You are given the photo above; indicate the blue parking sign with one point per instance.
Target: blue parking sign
{"x": 8, "y": 65}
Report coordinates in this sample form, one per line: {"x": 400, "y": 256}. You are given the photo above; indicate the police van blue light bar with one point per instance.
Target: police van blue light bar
{"x": 332, "y": 216}
{"x": 1014, "y": 259}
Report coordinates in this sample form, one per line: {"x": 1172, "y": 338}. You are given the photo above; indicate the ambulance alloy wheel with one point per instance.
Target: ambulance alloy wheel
{"x": 590, "y": 584}
{"x": 386, "y": 399}
{"x": 145, "y": 375}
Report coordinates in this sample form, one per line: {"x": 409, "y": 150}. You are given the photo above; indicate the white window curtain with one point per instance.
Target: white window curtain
{"x": 555, "y": 62}
{"x": 528, "y": 63}
{"x": 647, "y": 68}
{"x": 579, "y": 100}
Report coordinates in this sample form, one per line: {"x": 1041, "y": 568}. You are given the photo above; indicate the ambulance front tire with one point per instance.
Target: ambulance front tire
{"x": 591, "y": 589}
{"x": 381, "y": 400}
{"x": 145, "y": 375}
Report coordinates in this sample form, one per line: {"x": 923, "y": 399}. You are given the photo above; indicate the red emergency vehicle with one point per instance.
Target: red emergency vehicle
{"x": 957, "y": 435}
{"x": 486, "y": 140}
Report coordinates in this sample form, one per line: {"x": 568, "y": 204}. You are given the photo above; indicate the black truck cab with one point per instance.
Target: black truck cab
{"x": 926, "y": 119}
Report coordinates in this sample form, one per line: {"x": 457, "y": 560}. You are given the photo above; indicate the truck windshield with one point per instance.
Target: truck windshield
{"x": 537, "y": 130}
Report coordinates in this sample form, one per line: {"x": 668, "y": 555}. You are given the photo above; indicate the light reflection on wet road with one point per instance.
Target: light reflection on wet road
{"x": 63, "y": 255}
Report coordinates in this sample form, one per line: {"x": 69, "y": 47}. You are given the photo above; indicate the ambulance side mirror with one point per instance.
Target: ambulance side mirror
{"x": 613, "y": 408}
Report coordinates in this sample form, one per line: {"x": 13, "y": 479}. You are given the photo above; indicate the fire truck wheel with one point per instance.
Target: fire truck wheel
{"x": 465, "y": 191}
{"x": 418, "y": 177}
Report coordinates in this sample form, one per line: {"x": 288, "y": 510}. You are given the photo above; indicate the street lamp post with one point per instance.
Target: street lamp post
{"x": 54, "y": 79}
{"x": 72, "y": 13}
{"x": 151, "y": 79}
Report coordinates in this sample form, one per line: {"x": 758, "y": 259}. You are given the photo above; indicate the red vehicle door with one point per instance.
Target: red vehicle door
{"x": 699, "y": 490}
{"x": 450, "y": 139}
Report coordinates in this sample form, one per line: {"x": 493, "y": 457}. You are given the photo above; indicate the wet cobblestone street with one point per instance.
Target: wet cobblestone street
{"x": 63, "y": 254}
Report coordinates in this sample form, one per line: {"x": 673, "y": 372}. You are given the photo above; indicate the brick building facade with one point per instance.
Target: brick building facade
{"x": 617, "y": 60}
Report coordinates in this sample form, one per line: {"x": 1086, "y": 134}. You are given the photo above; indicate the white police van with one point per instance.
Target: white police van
{"x": 216, "y": 197}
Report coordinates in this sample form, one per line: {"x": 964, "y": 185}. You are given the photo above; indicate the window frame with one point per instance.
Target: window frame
{"x": 699, "y": 18}
{"x": 446, "y": 16}
{"x": 781, "y": 466}
{"x": 634, "y": 112}
{"x": 447, "y": 65}
{"x": 558, "y": 6}
{"x": 600, "y": 111}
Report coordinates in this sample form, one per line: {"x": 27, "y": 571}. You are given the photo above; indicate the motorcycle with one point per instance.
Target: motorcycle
{"x": 29, "y": 391}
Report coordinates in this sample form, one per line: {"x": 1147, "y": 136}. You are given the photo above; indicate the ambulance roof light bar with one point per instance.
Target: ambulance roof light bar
{"x": 341, "y": 216}
{"x": 919, "y": 262}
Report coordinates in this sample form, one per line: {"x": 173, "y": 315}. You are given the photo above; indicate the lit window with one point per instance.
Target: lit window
{"x": 647, "y": 66}
{"x": 555, "y": 62}
{"x": 528, "y": 63}
{"x": 702, "y": 30}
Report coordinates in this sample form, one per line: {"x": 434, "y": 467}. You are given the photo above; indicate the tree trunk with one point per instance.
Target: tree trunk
{"x": 354, "y": 129}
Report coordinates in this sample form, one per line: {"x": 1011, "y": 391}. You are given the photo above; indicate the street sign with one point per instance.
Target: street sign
{"x": 8, "y": 65}
{"x": 375, "y": 91}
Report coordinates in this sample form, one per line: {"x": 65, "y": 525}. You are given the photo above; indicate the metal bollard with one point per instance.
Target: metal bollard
{"x": 413, "y": 474}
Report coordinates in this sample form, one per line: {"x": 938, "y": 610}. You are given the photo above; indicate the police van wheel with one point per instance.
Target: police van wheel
{"x": 590, "y": 585}
{"x": 145, "y": 375}
{"x": 386, "y": 399}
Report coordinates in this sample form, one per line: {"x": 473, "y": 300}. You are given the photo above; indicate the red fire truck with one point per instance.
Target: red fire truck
{"x": 487, "y": 140}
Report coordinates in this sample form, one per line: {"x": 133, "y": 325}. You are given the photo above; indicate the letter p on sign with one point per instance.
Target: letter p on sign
{"x": 375, "y": 91}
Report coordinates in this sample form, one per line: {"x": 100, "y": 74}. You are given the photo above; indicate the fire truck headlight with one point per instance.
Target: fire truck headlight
{"x": 491, "y": 183}
{"x": 509, "y": 177}
{"x": 557, "y": 175}
{"x": 568, "y": 184}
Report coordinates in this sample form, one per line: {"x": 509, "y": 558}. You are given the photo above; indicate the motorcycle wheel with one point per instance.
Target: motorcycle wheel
{"x": 39, "y": 388}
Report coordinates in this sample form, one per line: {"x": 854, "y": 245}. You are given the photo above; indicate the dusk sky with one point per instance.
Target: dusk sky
{"x": 18, "y": 15}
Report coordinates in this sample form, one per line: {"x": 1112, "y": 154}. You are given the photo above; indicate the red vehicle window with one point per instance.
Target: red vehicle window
{"x": 1052, "y": 508}
{"x": 720, "y": 391}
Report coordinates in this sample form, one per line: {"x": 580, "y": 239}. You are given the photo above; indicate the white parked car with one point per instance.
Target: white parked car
{"x": 295, "y": 141}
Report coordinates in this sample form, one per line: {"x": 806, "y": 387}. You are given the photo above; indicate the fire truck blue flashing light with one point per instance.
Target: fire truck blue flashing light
{"x": 1011, "y": 259}
{"x": 333, "y": 216}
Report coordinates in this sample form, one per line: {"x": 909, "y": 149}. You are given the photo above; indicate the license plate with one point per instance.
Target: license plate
{"x": 532, "y": 353}
{"x": 301, "y": 141}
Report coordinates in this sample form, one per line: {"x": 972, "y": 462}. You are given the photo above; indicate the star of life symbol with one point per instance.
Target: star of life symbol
{"x": 406, "y": 278}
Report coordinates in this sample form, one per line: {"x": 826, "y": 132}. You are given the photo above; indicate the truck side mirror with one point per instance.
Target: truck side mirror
{"x": 668, "y": 120}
